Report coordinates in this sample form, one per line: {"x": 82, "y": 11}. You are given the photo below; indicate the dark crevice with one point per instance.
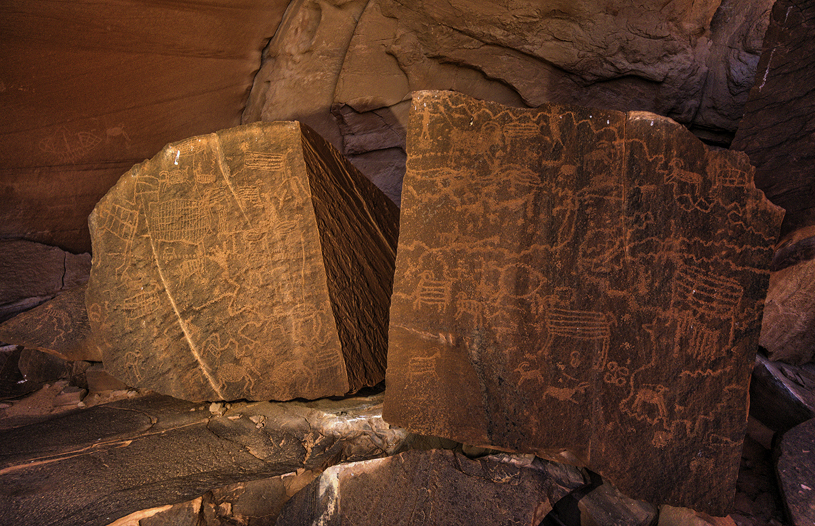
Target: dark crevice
{"x": 566, "y": 512}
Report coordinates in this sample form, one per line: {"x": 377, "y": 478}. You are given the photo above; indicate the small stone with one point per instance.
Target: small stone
{"x": 217, "y": 408}
{"x": 70, "y": 395}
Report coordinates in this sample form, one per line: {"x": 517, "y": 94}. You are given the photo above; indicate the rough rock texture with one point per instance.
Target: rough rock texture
{"x": 253, "y": 503}
{"x": 97, "y": 465}
{"x": 253, "y": 263}
{"x": 779, "y": 118}
{"x": 32, "y": 273}
{"x": 89, "y": 88}
{"x": 671, "y": 516}
{"x": 603, "y": 270}
{"x": 99, "y": 380}
{"x": 796, "y": 473}
{"x": 788, "y": 328}
{"x": 358, "y": 60}
{"x": 433, "y": 487}
{"x": 781, "y": 395}
{"x": 60, "y": 326}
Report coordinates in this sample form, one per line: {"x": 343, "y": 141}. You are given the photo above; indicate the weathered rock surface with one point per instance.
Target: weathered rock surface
{"x": 253, "y": 263}
{"x": 254, "y": 502}
{"x": 32, "y": 273}
{"x": 99, "y": 380}
{"x": 433, "y": 487}
{"x": 779, "y": 116}
{"x": 602, "y": 270}
{"x": 59, "y": 326}
{"x": 796, "y": 473}
{"x": 694, "y": 62}
{"x": 788, "y": 328}
{"x": 671, "y": 516}
{"x": 782, "y": 395}
{"x": 97, "y": 465}
{"x": 89, "y": 89}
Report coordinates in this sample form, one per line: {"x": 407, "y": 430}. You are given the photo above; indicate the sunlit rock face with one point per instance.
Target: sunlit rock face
{"x": 255, "y": 263}
{"x": 357, "y": 62}
{"x": 571, "y": 277}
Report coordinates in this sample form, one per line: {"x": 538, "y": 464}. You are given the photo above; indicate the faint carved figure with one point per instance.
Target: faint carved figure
{"x": 422, "y": 368}
{"x": 528, "y": 373}
{"x": 649, "y": 403}
{"x": 70, "y": 147}
{"x": 204, "y": 164}
{"x": 265, "y": 161}
{"x": 565, "y": 394}
{"x": 121, "y": 222}
{"x": 432, "y": 292}
{"x": 466, "y": 307}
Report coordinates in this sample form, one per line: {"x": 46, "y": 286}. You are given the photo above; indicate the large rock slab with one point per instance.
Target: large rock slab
{"x": 796, "y": 473}
{"x": 433, "y": 487}
{"x": 253, "y": 263}
{"x": 94, "y": 466}
{"x": 779, "y": 116}
{"x": 601, "y": 270}
{"x": 33, "y": 273}
{"x": 59, "y": 326}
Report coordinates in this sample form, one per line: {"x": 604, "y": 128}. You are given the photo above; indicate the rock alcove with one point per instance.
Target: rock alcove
{"x": 93, "y": 90}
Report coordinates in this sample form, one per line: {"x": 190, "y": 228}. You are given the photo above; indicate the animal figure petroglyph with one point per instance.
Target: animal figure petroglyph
{"x": 648, "y": 398}
{"x": 565, "y": 394}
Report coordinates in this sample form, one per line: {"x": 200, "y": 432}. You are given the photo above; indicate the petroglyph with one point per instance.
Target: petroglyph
{"x": 210, "y": 269}
{"x": 68, "y": 146}
{"x": 604, "y": 271}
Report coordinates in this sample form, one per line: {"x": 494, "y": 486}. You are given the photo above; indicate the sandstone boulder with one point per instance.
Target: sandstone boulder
{"x": 602, "y": 270}
{"x": 782, "y": 395}
{"x": 32, "y": 273}
{"x": 788, "y": 327}
{"x": 59, "y": 326}
{"x": 253, "y": 263}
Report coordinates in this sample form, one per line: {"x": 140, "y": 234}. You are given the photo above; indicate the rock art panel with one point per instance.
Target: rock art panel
{"x": 253, "y": 263}
{"x": 598, "y": 269}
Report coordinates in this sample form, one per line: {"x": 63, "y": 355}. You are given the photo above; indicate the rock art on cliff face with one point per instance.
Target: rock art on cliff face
{"x": 433, "y": 487}
{"x": 59, "y": 327}
{"x": 602, "y": 270}
{"x": 252, "y": 263}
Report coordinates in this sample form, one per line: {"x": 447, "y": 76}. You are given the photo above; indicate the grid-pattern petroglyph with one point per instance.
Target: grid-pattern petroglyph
{"x": 595, "y": 264}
